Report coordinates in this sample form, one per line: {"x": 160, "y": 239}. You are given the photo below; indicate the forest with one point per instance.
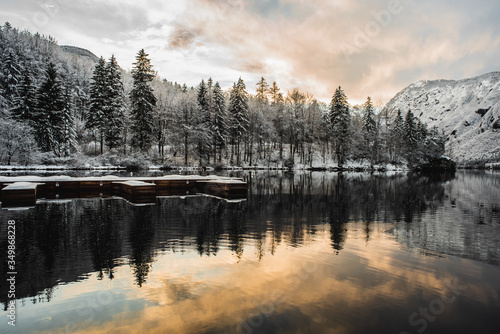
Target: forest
{"x": 62, "y": 105}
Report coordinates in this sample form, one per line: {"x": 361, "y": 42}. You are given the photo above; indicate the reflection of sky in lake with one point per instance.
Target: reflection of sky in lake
{"x": 380, "y": 275}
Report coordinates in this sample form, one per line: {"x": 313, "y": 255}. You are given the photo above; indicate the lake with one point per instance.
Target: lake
{"x": 303, "y": 253}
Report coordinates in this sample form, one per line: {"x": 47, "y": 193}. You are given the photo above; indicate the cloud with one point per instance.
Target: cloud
{"x": 181, "y": 38}
{"x": 371, "y": 48}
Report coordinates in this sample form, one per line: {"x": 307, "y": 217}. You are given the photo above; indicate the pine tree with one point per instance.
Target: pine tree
{"x": 238, "y": 109}
{"x": 7, "y": 27}
{"x": 278, "y": 115}
{"x": 262, "y": 90}
{"x": 203, "y": 128}
{"x": 10, "y": 76}
{"x": 95, "y": 117}
{"x": 410, "y": 136}
{"x": 143, "y": 103}
{"x": 202, "y": 98}
{"x": 370, "y": 130}
{"x": 184, "y": 119}
{"x": 339, "y": 124}
{"x": 220, "y": 125}
{"x": 68, "y": 132}
{"x": 210, "y": 88}
{"x": 115, "y": 100}
{"x": 396, "y": 136}
{"x": 276, "y": 96}
{"x": 48, "y": 118}
{"x": 422, "y": 131}
{"x": 25, "y": 101}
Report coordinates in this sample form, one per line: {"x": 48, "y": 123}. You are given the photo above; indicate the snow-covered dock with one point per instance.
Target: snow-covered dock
{"x": 135, "y": 191}
{"x": 27, "y": 189}
{"x": 20, "y": 194}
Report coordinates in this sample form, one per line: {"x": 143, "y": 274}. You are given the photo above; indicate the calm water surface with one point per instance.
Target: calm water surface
{"x": 304, "y": 253}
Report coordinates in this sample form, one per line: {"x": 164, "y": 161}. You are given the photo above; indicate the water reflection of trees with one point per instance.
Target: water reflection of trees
{"x": 105, "y": 240}
{"x": 65, "y": 241}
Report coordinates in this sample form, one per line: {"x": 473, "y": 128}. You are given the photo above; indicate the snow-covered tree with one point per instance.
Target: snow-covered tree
{"x": 370, "y": 131}
{"x": 68, "y": 131}
{"x": 10, "y": 75}
{"x": 410, "y": 137}
{"x": 16, "y": 142}
{"x": 339, "y": 122}
{"x": 276, "y": 95}
{"x": 203, "y": 130}
{"x": 184, "y": 119}
{"x": 220, "y": 121}
{"x": 143, "y": 103}
{"x": 262, "y": 90}
{"x": 396, "y": 137}
{"x": 296, "y": 102}
{"x": 25, "y": 102}
{"x": 49, "y": 114}
{"x": 238, "y": 110}
{"x": 278, "y": 118}
{"x": 115, "y": 105}
{"x": 95, "y": 117}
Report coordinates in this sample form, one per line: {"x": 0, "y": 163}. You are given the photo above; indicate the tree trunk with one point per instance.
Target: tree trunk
{"x": 185, "y": 149}
{"x": 102, "y": 142}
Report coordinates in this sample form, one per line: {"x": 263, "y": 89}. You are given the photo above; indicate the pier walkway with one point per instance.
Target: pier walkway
{"x": 26, "y": 190}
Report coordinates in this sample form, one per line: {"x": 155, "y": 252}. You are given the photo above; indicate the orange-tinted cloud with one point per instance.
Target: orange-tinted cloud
{"x": 371, "y": 48}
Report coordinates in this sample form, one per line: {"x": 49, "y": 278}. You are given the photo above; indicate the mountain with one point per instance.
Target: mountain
{"x": 79, "y": 52}
{"x": 467, "y": 111}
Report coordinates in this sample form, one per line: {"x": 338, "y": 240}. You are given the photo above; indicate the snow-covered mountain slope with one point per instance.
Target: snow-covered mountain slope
{"x": 468, "y": 111}
{"x": 79, "y": 52}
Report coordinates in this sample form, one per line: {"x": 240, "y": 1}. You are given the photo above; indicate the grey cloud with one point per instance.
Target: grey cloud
{"x": 426, "y": 40}
{"x": 181, "y": 38}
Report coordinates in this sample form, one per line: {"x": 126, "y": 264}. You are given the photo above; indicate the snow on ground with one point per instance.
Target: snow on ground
{"x": 22, "y": 186}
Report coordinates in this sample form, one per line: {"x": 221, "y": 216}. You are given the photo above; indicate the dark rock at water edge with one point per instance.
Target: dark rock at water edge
{"x": 438, "y": 165}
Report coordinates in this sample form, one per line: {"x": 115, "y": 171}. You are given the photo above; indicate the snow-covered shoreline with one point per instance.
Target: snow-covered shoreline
{"x": 196, "y": 169}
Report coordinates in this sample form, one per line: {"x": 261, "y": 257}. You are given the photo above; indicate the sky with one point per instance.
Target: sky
{"x": 368, "y": 47}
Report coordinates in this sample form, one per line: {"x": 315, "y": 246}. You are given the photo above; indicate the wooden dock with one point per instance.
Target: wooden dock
{"x": 228, "y": 188}
{"x": 20, "y": 194}
{"x": 24, "y": 191}
{"x": 136, "y": 191}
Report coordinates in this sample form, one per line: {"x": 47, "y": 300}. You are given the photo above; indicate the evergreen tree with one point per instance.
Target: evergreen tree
{"x": 276, "y": 96}
{"x": 184, "y": 119}
{"x": 220, "y": 125}
{"x": 422, "y": 131}
{"x": 25, "y": 101}
{"x": 396, "y": 136}
{"x": 278, "y": 118}
{"x": 434, "y": 144}
{"x": 115, "y": 110}
{"x": 49, "y": 121}
{"x": 10, "y": 76}
{"x": 238, "y": 109}
{"x": 296, "y": 123}
{"x": 7, "y": 27}
{"x": 68, "y": 132}
{"x": 370, "y": 130}
{"x": 210, "y": 90}
{"x": 202, "y": 98}
{"x": 95, "y": 117}
{"x": 143, "y": 103}
{"x": 262, "y": 90}
{"x": 339, "y": 124}
{"x": 410, "y": 136}
{"x": 203, "y": 128}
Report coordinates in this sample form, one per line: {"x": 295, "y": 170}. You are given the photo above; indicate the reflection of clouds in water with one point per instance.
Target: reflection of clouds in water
{"x": 364, "y": 281}
{"x": 397, "y": 235}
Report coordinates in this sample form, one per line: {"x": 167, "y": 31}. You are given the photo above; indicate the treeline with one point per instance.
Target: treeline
{"x": 55, "y": 105}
